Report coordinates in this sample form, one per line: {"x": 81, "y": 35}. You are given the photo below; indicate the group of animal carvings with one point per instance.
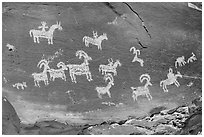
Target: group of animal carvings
{"x": 106, "y": 70}
{"x": 180, "y": 61}
{"x": 74, "y": 69}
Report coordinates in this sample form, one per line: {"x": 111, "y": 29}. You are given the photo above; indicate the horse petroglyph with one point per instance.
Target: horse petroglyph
{"x": 22, "y": 85}
{"x": 143, "y": 90}
{"x": 137, "y": 52}
{"x": 110, "y": 67}
{"x": 95, "y": 40}
{"x": 105, "y": 90}
{"x": 180, "y": 61}
{"x": 192, "y": 58}
{"x": 43, "y": 33}
{"x": 80, "y": 69}
{"x": 42, "y": 76}
{"x": 171, "y": 79}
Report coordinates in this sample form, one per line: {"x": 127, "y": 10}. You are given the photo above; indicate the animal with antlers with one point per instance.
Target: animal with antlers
{"x": 171, "y": 79}
{"x": 42, "y": 76}
{"x": 110, "y": 67}
{"x": 192, "y": 58}
{"x": 58, "y": 73}
{"x": 137, "y": 52}
{"x": 180, "y": 61}
{"x": 43, "y": 33}
{"x": 105, "y": 90}
{"x": 143, "y": 90}
{"x": 95, "y": 40}
{"x": 80, "y": 69}
{"x": 22, "y": 85}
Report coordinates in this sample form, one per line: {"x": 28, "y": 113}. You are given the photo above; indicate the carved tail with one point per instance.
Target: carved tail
{"x": 30, "y": 32}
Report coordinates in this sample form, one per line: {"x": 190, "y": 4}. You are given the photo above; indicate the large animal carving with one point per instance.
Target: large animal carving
{"x": 95, "y": 40}
{"x": 192, "y": 58}
{"x": 171, "y": 79}
{"x": 137, "y": 52}
{"x": 110, "y": 67}
{"x": 80, "y": 69}
{"x": 105, "y": 90}
{"x": 58, "y": 73}
{"x": 180, "y": 61}
{"x": 143, "y": 90}
{"x": 20, "y": 85}
{"x": 42, "y": 76}
{"x": 36, "y": 34}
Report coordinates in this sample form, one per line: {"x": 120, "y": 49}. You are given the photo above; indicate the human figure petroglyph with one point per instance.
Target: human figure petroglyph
{"x": 143, "y": 90}
{"x": 95, "y": 40}
{"x": 105, "y": 90}
{"x": 137, "y": 52}
{"x": 42, "y": 76}
{"x": 80, "y": 69}
{"x": 43, "y": 27}
{"x": 22, "y": 85}
{"x": 58, "y": 73}
{"x": 110, "y": 67}
{"x": 45, "y": 34}
{"x": 171, "y": 79}
{"x": 180, "y": 61}
{"x": 10, "y": 47}
{"x": 192, "y": 58}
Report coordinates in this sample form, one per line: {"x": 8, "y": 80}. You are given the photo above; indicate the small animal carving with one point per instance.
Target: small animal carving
{"x": 10, "y": 47}
{"x": 95, "y": 40}
{"x": 58, "y": 73}
{"x": 143, "y": 90}
{"x": 192, "y": 58}
{"x": 180, "y": 61}
{"x": 137, "y": 52}
{"x": 171, "y": 79}
{"x": 105, "y": 90}
{"x": 20, "y": 85}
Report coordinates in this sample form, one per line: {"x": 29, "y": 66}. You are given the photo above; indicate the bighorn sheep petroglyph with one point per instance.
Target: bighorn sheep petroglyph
{"x": 105, "y": 90}
{"x": 180, "y": 61}
{"x": 192, "y": 58}
{"x": 143, "y": 90}
{"x": 58, "y": 73}
{"x": 137, "y": 52}
{"x": 42, "y": 76}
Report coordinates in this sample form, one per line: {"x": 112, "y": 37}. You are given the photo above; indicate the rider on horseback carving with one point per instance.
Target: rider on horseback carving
{"x": 170, "y": 75}
{"x": 95, "y": 35}
{"x": 43, "y": 27}
{"x": 110, "y": 62}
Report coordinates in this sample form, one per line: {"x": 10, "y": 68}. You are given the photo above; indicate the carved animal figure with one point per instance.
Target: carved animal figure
{"x": 111, "y": 67}
{"x": 58, "y": 73}
{"x": 96, "y": 40}
{"x": 171, "y": 79}
{"x": 10, "y": 47}
{"x": 105, "y": 90}
{"x": 22, "y": 85}
{"x": 80, "y": 69}
{"x": 45, "y": 34}
{"x": 180, "y": 61}
{"x": 192, "y": 58}
{"x": 137, "y": 52}
{"x": 42, "y": 76}
{"x": 143, "y": 90}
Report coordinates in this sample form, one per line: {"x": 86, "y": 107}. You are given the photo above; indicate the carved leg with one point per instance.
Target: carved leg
{"x": 34, "y": 39}
{"x": 38, "y": 40}
{"x": 38, "y": 83}
{"x": 177, "y": 83}
{"x": 51, "y": 39}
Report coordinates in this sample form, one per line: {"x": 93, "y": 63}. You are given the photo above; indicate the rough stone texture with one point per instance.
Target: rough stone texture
{"x": 10, "y": 120}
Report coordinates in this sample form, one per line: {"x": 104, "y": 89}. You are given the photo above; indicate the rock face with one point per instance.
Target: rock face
{"x": 10, "y": 120}
{"x": 162, "y": 32}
